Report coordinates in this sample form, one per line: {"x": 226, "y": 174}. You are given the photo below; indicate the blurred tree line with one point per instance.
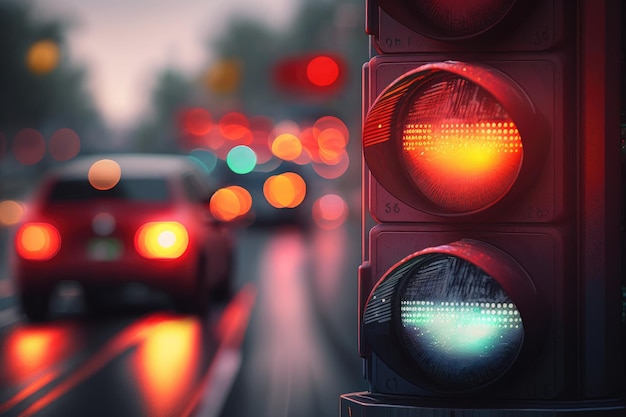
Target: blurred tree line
{"x": 38, "y": 88}
{"x": 49, "y": 91}
{"x": 249, "y": 49}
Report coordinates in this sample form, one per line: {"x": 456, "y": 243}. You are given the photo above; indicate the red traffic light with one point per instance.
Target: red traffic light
{"x": 310, "y": 74}
{"x": 452, "y": 138}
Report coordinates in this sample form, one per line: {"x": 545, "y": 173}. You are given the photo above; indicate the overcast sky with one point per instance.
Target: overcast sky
{"x": 123, "y": 42}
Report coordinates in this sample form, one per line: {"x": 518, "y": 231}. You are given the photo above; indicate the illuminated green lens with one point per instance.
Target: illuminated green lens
{"x": 457, "y": 323}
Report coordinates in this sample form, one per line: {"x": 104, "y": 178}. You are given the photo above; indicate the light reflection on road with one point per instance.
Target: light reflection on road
{"x": 165, "y": 365}
{"x": 291, "y": 368}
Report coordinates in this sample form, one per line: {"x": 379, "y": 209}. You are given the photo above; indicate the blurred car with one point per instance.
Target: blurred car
{"x": 267, "y": 209}
{"x": 150, "y": 227}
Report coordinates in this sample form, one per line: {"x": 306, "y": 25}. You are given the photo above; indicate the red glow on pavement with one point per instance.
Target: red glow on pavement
{"x": 232, "y": 325}
{"x": 34, "y": 348}
{"x": 166, "y": 364}
{"x": 130, "y": 336}
{"x": 31, "y": 355}
{"x": 230, "y": 330}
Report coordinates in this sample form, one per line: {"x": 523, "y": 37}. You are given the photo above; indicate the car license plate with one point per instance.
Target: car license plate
{"x": 104, "y": 249}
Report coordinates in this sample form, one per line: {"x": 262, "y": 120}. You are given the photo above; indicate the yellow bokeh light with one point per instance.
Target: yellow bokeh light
{"x": 230, "y": 203}
{"x": 11, "y": 212}
{"x": 286, "y": 190}
{"x": 287, "y": 146}
{"x": 42, "y": 57}
{"x": 224, "y": 77}
{"x": 104, "y": 174}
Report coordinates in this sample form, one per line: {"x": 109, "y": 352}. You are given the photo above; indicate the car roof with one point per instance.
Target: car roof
{"x": 131, "y": 165}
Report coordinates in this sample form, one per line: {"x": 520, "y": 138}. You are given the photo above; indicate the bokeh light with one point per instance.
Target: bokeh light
{"x": 309, "y": 144}
{"x": 261, "y": 127}
{"x": 42, "y": 57}
{"x": 205, "y": 159}
{"x": 196, "y": 121}
{"x": 229, "y": 203}
{"x": 215, "y": 142}
{"x": 11, "y": 212}
{"x": 64, "y": 144}
{"x": 331, "y": 172}
{"x": 236, "y": 127}
{"x": 332, "y": 122}
{"x": 104, "y": 174}
{"x": 287, "y": 146}
{"x": 29, "y": 146}
{"x": 223, "y": 77}
{"x": 330, "y": 211}
{"x": 331, "y": 144}
{"x": 286, "y": 190}
{"x": 322, "y": 71}
{"x": 241, "y": 159}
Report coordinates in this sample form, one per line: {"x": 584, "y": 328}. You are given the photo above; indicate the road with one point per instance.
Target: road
{"x": 285, "y": 345}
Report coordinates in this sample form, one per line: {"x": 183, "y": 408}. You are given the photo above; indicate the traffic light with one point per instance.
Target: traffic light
{"x": 490, "y": 282}
{"x": 310, "y": 74}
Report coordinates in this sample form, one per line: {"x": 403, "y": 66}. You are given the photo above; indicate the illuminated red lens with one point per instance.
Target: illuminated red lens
{"x": 461, "y": 148}
{"x": 37, "y": 241}
{"x": 161, "y": 240}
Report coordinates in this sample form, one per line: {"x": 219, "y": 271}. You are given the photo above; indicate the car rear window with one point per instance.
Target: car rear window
{"x": 132, "y": 189}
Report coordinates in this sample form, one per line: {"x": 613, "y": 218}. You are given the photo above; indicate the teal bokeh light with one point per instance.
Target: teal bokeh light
{"x": 204, "y": 158}
{"x": 241, "y": 159}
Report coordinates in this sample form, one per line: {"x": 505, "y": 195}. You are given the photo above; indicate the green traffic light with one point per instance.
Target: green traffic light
{"x": 460, "y": 328}
{"x": 457, "y": 323}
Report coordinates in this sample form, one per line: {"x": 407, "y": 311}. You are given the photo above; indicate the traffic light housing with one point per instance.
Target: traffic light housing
{"x": 490, "y": 281}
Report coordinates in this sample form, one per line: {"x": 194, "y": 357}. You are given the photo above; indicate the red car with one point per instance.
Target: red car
{"x": 105, "y": 222}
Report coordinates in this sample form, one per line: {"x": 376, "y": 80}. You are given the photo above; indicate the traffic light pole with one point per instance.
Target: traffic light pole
{"x": 540, "y": 236}
{"x": 600, "y": 248}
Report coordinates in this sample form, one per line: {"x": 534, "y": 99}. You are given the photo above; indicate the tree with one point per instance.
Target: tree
{"x": 173, "y": 91}
{"x": 41, "y": 98}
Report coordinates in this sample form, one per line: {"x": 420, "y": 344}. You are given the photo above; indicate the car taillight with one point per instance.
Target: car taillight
{"x": 37, "y": 241}
{"x": 164, "y": 240}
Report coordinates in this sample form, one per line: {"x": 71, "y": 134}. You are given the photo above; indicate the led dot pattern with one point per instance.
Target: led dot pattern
{"x": 457, "y": 323}
{"x": 460, "y": 147}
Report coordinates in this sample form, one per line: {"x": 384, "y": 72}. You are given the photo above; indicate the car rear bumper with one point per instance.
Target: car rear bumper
{"x": 171, "y": 276}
